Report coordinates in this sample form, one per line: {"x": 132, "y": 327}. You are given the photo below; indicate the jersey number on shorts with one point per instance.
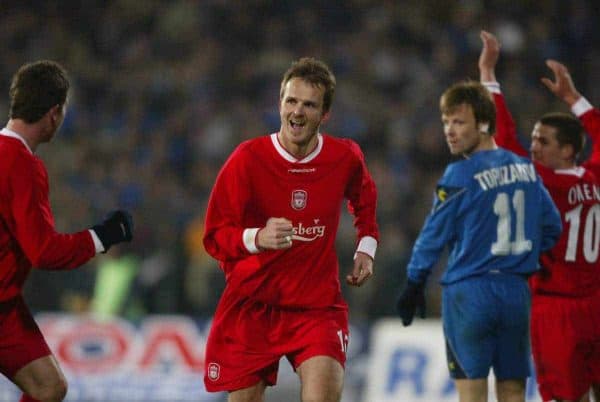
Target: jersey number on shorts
{"x": 591, "y": 233}
{"x": 502, "y": 208}
{"x": 343, "y": 340}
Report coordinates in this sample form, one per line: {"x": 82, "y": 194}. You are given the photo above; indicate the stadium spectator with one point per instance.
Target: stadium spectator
{"x": 271, "y": 222}
{"x": 565, "y": 315}
{"x": 495, "y": 216}
{"x": 38, "y": 103}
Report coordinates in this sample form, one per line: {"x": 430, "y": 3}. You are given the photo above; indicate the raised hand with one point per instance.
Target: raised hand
{"x": 490, "y": 52}
{"x": 562, "y": 86}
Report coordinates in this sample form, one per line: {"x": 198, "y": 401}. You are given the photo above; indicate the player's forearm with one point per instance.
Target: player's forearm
{"x": 589, "y": 116}
{"x": 487, "y": 75}
{"x": 61, "y": 251}
{"x": 230, "y": 243}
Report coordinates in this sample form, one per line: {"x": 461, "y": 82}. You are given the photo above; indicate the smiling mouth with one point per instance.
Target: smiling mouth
{"x": 296, "y": 126}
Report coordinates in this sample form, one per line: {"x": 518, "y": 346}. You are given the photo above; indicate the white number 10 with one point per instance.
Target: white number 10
{"x": 502, "y": 208}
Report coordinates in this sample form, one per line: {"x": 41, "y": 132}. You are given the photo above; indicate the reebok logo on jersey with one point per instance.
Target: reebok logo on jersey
{"x": 308, "y": 233}
{"x": 303, "y": 170}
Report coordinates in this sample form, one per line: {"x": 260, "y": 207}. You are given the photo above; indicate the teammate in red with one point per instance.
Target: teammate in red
{"x": 38, "y": 96}
{"x": 565, "y": 317}
{"x": 271, "y": 222}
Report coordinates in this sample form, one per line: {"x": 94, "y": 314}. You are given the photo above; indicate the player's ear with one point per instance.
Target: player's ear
{"x": 483, "y": 127}
{"x": 567, "y": 152}
{"x": 326, "y": 116}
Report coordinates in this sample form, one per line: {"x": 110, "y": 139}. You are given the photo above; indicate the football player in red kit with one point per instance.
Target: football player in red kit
{"x": 565, "y": 312}
{"x": 38, "y": 98}
{"x": 271, "y": 222}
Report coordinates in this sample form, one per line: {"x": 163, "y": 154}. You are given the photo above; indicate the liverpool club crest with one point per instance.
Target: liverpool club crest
{"x": 299, "y": 199}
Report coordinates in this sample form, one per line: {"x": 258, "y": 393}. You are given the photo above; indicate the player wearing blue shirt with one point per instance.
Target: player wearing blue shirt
{"x": 495, "y": 216}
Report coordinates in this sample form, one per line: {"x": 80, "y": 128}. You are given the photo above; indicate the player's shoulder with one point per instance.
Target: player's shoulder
{"x": 458, "y": 173}
{"x": 14, "y": 151}
{"x": 463, "y": 171}
{"x": 341, "y": 145}
{"x": 254, "y": 144}
{"x": 252, "y": 148}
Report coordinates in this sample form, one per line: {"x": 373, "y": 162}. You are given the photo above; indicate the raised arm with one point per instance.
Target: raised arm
{"x": 562, "y": 87}
{"x": 506, "y": 131}
{"x": 490, "y": 52}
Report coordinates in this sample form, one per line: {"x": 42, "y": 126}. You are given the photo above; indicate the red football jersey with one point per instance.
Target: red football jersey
{"x": 571, "y": 267}
{"x": 261, "y": 180}
{"x": 27, "y": 234}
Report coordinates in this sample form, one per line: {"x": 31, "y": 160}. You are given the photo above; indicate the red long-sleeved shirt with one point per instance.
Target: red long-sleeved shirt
{"x": 27, "y": 234}
{"x": 572, "y": 266}
{"x": 261, "y": 180}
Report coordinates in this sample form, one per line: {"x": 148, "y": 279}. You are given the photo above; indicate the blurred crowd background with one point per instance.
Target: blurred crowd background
{"x": 163, "y": 91}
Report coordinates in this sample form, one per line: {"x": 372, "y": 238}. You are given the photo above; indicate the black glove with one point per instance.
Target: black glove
{"x": 411, "y": 299}
{"x": 117, "y": 227}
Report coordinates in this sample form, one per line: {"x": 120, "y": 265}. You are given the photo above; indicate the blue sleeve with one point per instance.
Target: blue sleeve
{"x": 437, "y": 232}
{"x": 551, "y": 225}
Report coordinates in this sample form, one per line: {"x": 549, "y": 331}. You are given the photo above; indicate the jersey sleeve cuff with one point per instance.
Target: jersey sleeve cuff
{"x": 249, "y": 238}
{"x": 492, "y": 86}
{"x": 367, "y": 245}
{"x": 581, "y": 106}
{"x": 97, "y": 243}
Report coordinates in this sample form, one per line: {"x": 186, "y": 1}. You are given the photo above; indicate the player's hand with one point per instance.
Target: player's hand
{"x": 490, "y": 52}
{"x": 363, "y": 270}
{"x": 276, "y": 235}
{"x": 562, "y": 86}
{"x": 116, "y": 227}
{"x": 411, "y": 300}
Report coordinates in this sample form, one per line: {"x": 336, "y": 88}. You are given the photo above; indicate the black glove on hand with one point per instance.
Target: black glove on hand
{"x": 117, "y": 227}
{"x": 411, "y": 299}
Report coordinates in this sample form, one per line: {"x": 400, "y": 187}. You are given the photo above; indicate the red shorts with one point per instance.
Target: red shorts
{"x": 21, "y": 341}
{"x": 247, "y": 339}
{"x": 565, "y": 341}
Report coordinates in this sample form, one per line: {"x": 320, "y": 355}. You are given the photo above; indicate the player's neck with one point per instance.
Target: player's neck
{"x": 29, "y": 132}
{"x": 486, "y": 143}
{"x": 298, "y": 150}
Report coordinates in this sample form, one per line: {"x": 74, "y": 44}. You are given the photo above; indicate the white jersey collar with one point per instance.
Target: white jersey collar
{"x": 289, "y": 157}
{"x": 9, "y": 133}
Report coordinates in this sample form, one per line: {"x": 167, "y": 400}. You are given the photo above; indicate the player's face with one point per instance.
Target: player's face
{"x": 301, "y": 112}
{"x": 460, "y": 129}
{"x": 545, "y": 148}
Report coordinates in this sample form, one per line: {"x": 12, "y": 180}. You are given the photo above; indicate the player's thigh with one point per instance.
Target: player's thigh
{"x": 510, "y": 390}
{"x": 513, "y": 352}
{"x": 472, "y": 390}
{"x": 321, "y": 378}
{"x": 563, "y": 354}
{"x": 42, "y": 378}
{"x": 239, "y": 354}
{"x": 21, "y": 341}
{"x": 595, "y": 392}
{"x": 254, "y": 393}
{"x": 469, "y": 321}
